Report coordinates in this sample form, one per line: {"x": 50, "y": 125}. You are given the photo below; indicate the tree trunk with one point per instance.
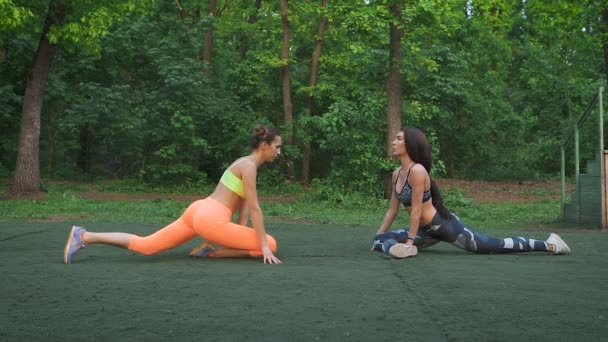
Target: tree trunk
{"x": 244, "y": 38}
{"x": 452, "y": 155}
{"x": 84, "y": 156}
{"x": 51, "y": 135}
{"x": 287, "y": 109}
{"x": 183, "y": 14}
{"x": 208, "y": 47}
{"x": 605, "y": 42}
{"x": 314, "y": 70}
{"x": 394, "y": 87}
{"x": 27, "y": 170}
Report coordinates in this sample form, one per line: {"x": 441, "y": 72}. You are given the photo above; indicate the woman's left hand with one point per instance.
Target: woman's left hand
{"x": 269, "y": 256}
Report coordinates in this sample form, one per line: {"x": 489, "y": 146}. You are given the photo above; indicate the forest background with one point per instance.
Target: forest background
{"x": 167, "y": 92}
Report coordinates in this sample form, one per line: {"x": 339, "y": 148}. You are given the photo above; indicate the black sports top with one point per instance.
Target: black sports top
{"x": 405, "y": 196}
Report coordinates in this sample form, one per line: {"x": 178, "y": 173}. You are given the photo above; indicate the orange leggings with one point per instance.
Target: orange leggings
{"x": 209, "y": 219}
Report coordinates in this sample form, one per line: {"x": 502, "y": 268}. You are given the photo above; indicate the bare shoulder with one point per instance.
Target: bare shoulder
{"x": 244, "y": 166}
{"x": 418, "y": 168}
{"x": 246, "y": 161}
{"x": 418, "y": 172}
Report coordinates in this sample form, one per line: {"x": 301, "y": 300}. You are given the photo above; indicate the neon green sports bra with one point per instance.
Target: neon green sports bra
{"x": 233, "y": 183}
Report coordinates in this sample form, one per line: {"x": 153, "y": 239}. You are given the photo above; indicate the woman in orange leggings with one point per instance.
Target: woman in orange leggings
{"x": 209, "y": 217}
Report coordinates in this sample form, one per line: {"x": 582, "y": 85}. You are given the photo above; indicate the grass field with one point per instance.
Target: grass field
{"x": 330, "y": 287}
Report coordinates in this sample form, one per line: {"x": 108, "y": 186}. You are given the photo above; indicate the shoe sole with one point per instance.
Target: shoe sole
{"x": 67, "y": 246}
{"x": 196, "y": 249}
{"x": 401, "y": 251}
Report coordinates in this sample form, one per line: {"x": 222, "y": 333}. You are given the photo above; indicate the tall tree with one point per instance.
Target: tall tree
{"x": 88, "y": 23}
{"x": 251, "y": 19}
{"x": 27, "y": 170}
{"x": 394, "y": 88}
{"x": 208, "y": 46}
{"x": 287, "y": 106}
{"x": 483, "y": 75}
{"x": 394, "y": 82}
{"x": 310, "y": 101}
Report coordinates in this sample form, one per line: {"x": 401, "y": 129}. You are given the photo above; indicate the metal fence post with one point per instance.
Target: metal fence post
{"x": 577, "y": 173}
{"x": 601, "y": 105}
{"x": 563, "y": 184}
{"x": 601, "y": 160}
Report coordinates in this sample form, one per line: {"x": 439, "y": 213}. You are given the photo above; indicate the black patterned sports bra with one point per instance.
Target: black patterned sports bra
{"x": 405, "y": 196}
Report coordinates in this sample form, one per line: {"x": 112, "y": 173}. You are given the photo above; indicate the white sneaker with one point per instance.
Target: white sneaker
{"x": 560, "y": 246}
{"x": 401, "y": 250}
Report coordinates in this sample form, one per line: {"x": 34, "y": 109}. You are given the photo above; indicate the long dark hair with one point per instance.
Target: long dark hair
{"x": 419, "y": 150}
{"x": 262, "y": 133}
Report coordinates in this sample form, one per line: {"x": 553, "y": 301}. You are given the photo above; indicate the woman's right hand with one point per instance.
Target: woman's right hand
{"x": 269, "y": 256}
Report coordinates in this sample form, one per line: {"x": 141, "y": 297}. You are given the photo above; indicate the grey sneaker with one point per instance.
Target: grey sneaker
{"x": 203, "y": 250}
{"x": 401, "y": 250}
{"x": 74, "y": 243}
{"x": 560, "y": 246}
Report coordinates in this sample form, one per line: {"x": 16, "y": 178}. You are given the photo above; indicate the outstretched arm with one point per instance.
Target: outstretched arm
{"x": 390, "y": 216}
{"x": 417, "y": 177}
{"x": 249, "y": 175}
{"x": 393, "y": 209}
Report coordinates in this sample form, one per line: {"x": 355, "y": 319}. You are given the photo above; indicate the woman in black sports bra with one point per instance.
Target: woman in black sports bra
{"x": 431, "y": 222}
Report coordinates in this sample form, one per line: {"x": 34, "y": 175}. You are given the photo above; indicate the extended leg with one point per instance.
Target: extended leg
{"x": 464, "y": 237}
{"x": 383, "y": 242}
{"x": 171, "y": 236}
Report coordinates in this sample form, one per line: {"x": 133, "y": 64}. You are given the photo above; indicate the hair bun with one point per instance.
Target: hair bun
{"x": 261, "y": 130}
{"x": 262, "y": 133}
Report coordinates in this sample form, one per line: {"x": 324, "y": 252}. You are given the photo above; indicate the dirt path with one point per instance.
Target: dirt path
{"x": 505, "y": 191}
{"x": 113, "y": 196}
{"x": 478, "y": 191}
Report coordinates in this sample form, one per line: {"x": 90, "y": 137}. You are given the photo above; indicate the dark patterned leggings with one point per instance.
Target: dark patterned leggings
{"x": 452, "y": 230}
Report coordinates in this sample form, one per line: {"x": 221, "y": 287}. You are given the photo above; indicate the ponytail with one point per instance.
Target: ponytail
{"x": 438, "y": 201}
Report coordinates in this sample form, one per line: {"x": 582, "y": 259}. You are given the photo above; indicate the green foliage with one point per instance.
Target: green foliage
{"x": 87, "y": 22}
{"x": 134, "y": 186}
{"x": 4, "y": 172}
{"x": 8, "y": 104}
{"x": 557, "y": 38}
{"x": 13, "y": 15}
{"x": 347, "y": 133}
{"x": 161, "y": 121}
{"x": 456, "y": 199}
{"x": 494, "y": 84}
{"x": 320, "y": 203}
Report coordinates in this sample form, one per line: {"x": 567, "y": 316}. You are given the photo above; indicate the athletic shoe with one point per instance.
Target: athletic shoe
{"x": 74, "y": 243}
{"x": 203, "y": 250}
{"x": 401, "y": 250}
{"x": 560, "y": 246}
